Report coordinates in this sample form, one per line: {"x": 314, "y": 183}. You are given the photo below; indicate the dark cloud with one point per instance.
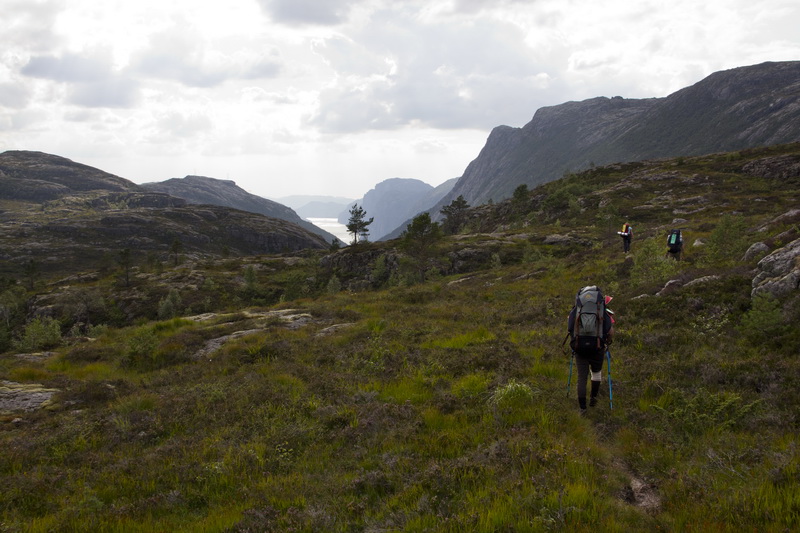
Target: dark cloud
{"x": 473, "y": 6}
{"x": 302, "y": 12}
{"x": 68, "y": 68}
{"x": 92, "y": 79}
{"x": 181, "y": 57}
{"x": 114, "y": 92}
{"x": 173, "y": 67}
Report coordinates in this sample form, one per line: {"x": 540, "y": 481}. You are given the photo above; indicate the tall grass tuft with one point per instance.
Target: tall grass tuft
{"x": 512, "y": 403}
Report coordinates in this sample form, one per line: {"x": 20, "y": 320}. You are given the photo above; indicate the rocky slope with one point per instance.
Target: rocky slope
{"x": 203, "y": 190}
{"x": 66, "y": 216}
{"x": 38, "y": 177}
{"x": 729, "y": 110}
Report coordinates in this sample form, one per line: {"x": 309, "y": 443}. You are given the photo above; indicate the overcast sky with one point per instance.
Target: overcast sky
{"x": 333, "y": 96}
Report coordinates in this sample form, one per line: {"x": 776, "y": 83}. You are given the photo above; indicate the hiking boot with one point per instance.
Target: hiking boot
{"x": 594, "y": 393}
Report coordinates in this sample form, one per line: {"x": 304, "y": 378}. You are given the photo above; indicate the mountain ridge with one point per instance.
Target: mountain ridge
{"x": 59, "y": 213}
{"x": 226, "y": 193}
{"x": 728, "y": 110}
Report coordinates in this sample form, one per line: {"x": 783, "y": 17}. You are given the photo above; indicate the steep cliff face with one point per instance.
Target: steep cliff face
{"x": 730, "y": 110}
{"x": 212, "y": 191}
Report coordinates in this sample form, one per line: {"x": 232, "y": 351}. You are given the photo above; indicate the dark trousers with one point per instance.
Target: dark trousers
{"x": 585, "y": 363}
{"x": 626, "y": 244}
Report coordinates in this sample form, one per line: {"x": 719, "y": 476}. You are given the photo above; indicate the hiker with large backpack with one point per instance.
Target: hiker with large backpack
{"x": 627, "y": 235}
{"x": 675, "y": 244}
{"x": 591, "y": 329}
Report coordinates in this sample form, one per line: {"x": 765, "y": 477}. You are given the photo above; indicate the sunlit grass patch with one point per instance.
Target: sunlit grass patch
{"x": 28, "y": 373}
{"x": 471, "y": 386}
{"x": 139, "y": 402}
{"x": 479, "y": 335}
{"x": 292, "y": 386}
{"x": 99, "y": 371}
{"x": 414, "y": 389}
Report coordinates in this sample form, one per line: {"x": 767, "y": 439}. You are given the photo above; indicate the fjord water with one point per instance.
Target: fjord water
{"x": 332, "y": 225}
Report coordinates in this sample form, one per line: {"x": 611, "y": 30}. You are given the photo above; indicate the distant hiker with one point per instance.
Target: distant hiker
{"x": 675, "y": 244}
{"x": 627, "y": 235}
{"x": 591, "y": 328}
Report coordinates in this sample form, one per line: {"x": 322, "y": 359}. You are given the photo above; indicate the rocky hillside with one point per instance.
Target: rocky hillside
{"x": 380, "y": 388}
{"x": 38, "y": 177}
{"x": 203, "y": 190}
{"x": 63, "y": 215}
{"x": 730, "y": 110}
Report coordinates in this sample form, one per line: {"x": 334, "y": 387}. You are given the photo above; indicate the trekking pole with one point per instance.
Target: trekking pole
{"x": 610, "y": 390}
{"x": 569, "y": 380}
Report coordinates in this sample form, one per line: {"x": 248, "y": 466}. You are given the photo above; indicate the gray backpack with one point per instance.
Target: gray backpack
{"x": 587, "y": 330}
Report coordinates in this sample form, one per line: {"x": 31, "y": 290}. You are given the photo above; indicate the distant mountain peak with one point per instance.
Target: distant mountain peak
{"x": 213, "y": 191}
{"x": 729, "y": 110}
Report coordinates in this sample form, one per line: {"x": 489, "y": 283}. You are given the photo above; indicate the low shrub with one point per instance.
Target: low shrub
{"x": 40, "y": 334}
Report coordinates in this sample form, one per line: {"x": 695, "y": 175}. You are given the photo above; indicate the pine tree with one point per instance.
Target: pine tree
{"x": 357, "y": 224}
{"x": 419, "y": 241}
{"x": 455, "y": 215}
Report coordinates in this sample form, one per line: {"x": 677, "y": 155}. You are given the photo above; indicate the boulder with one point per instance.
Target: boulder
{"x": 779, "y": 272}
{"x": 755, "y": 250}
{"x": 671, "y": 286}
{"x": 469, "y": 259}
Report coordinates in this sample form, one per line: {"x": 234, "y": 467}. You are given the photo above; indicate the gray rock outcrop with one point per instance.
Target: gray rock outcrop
{"x": 779, "y": 272}
{"x": 24, "y": 397}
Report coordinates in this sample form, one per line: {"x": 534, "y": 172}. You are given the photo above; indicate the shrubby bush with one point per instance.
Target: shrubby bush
{"x": 764, "y": 321}
{"x": 39, "y": 334}
{"x": 727, "y": 242}
{"x": 650, "y": 266}
{"x": 169, "y": 306}
{"x": 334, "y": 285}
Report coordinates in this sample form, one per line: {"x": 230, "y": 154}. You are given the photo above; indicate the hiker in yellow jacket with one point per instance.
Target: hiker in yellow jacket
{"x": 627, "y": 235}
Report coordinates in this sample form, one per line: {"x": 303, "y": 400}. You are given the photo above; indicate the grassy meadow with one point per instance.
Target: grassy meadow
{"x": 437, "y": 405}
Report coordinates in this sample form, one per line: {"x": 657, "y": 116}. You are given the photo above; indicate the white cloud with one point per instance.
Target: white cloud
{"x": 183, "y": 125}
{"x": 341, "y": 94}
{"x": 447, "y": 73}
{"x": 13, "y": 95}
{"x": 29, "y": 24}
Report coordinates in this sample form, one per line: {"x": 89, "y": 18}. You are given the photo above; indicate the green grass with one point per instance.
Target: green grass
{"x": 439, "y": 406}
